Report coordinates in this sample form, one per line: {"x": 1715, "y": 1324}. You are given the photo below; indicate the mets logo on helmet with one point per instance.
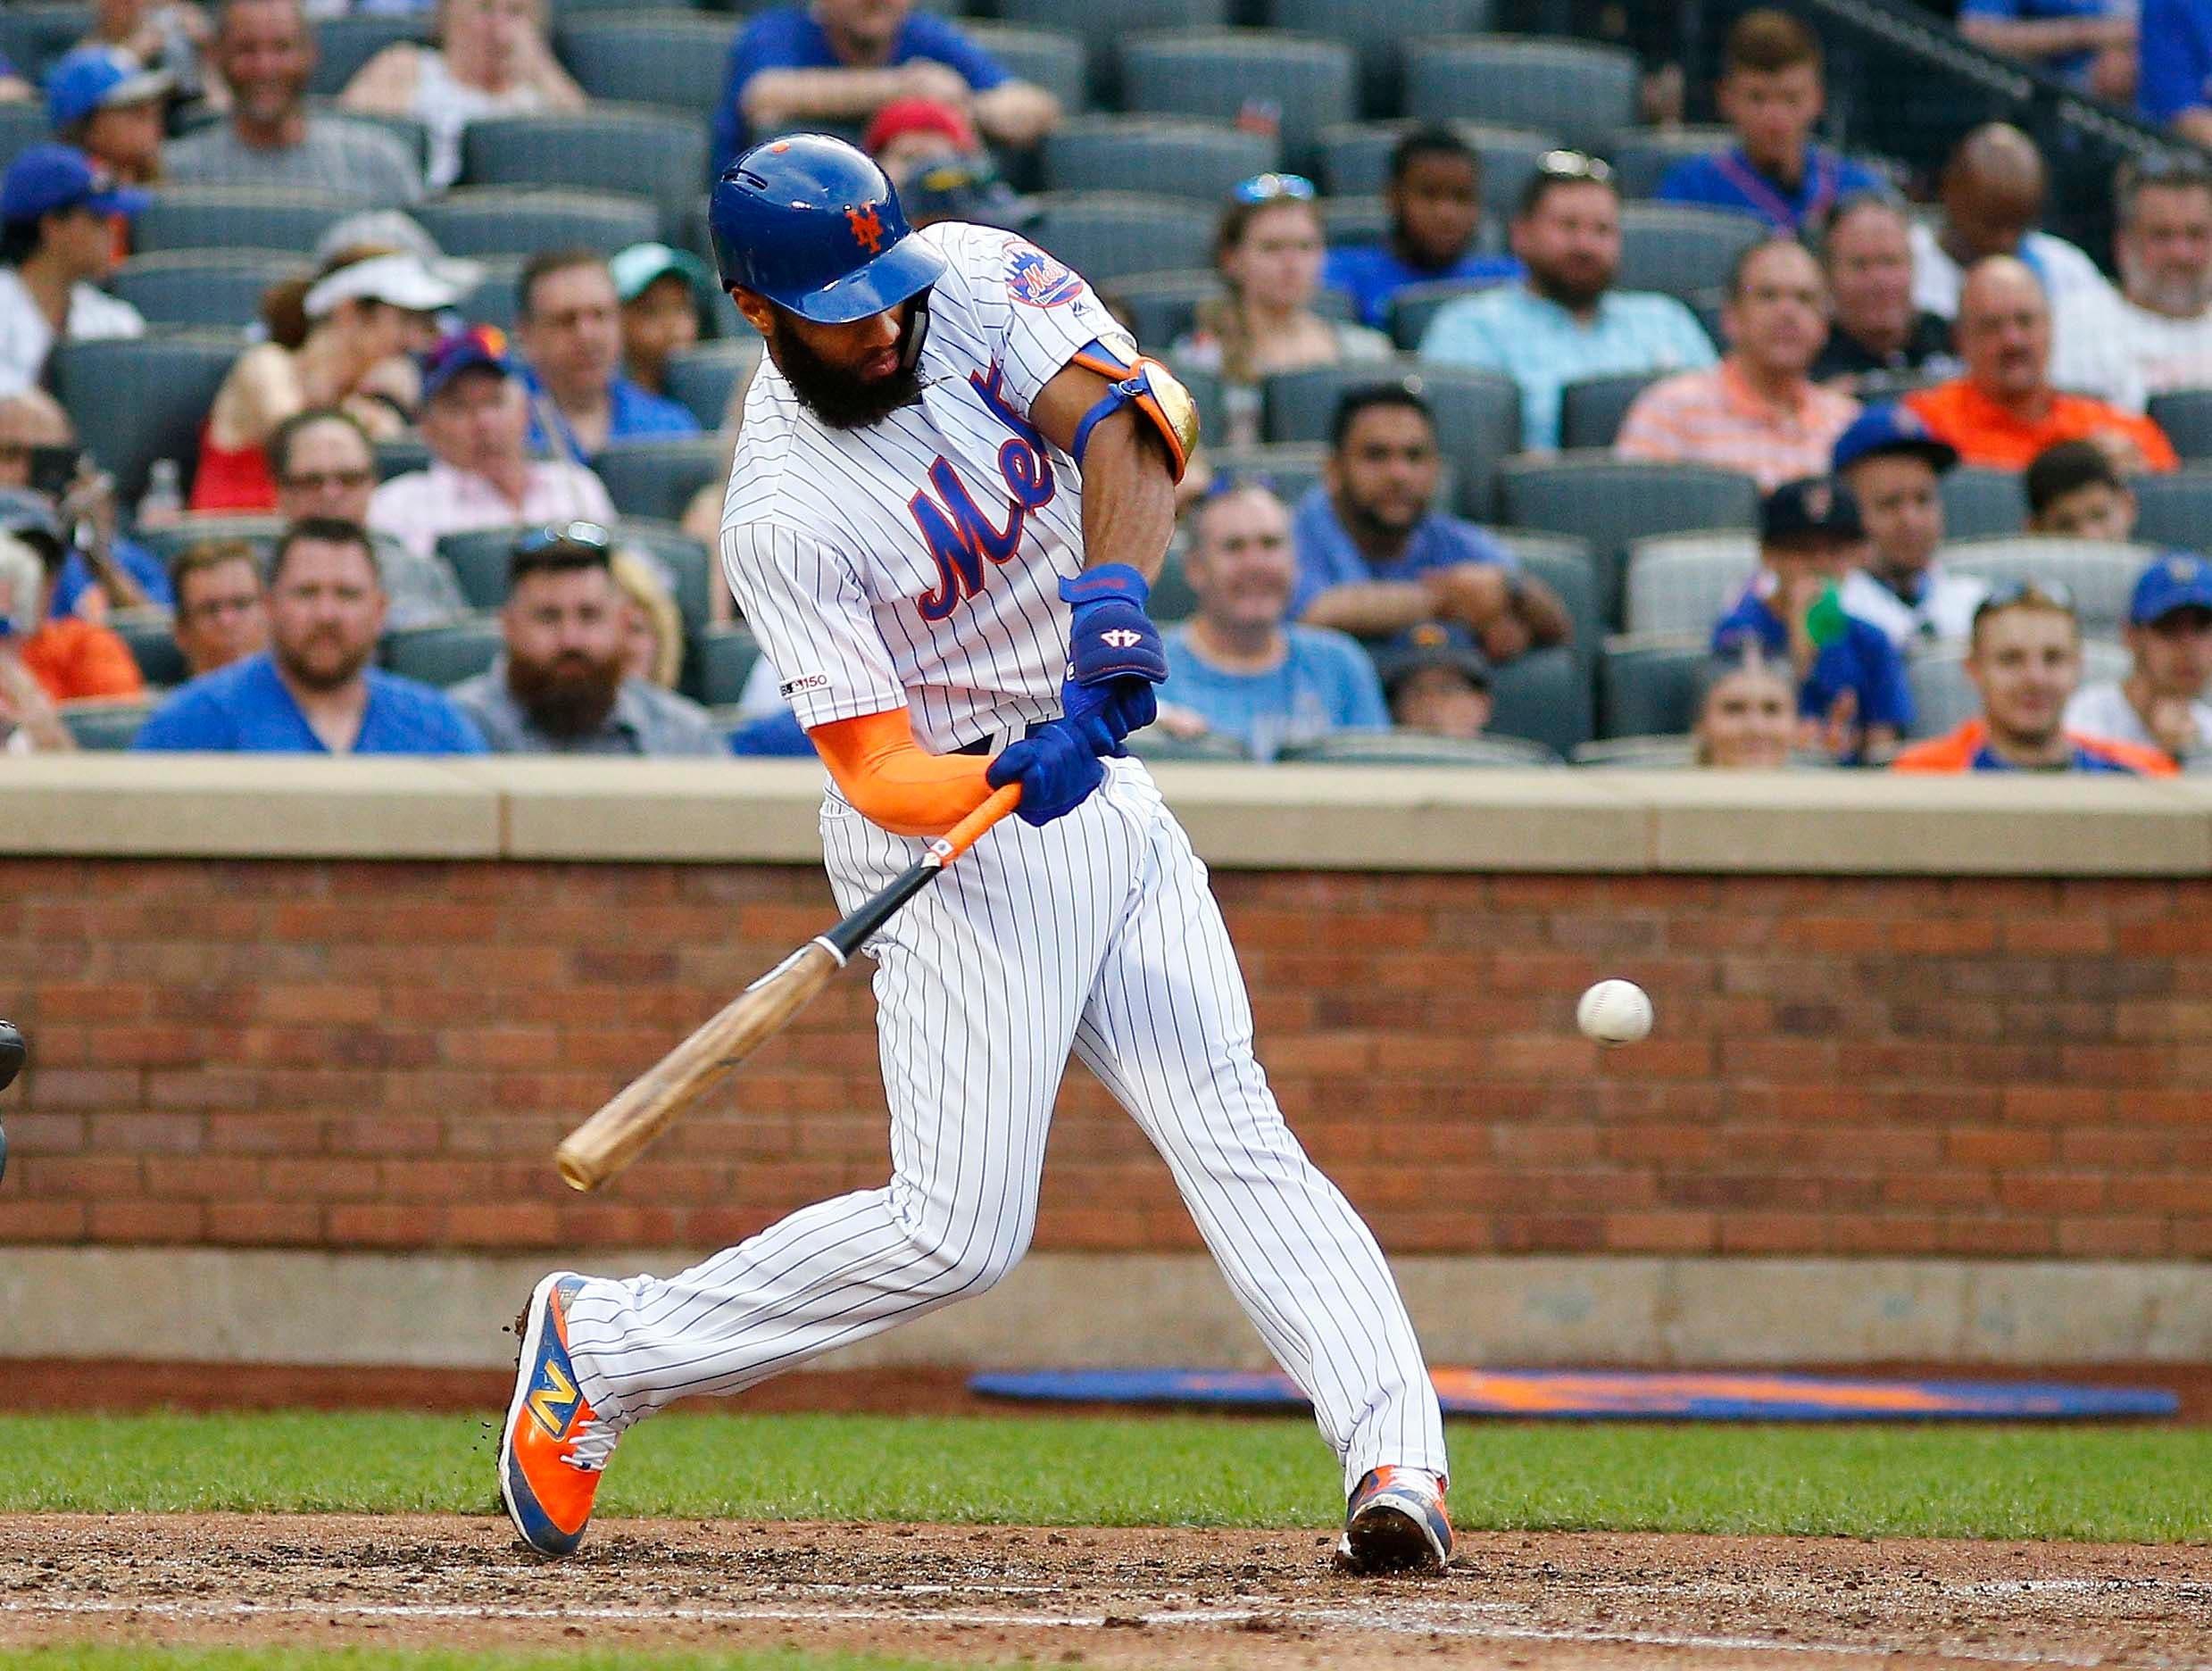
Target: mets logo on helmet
{"x": 1035, "y": 279}
{"x": 867, "y": 228}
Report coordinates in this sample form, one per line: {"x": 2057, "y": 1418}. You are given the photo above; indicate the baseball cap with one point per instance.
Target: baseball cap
{"x": 1427, "y": 645}
{"x": 401, "y": 280}
{"x": 637, "y": 269}
{"x": 47, "y": 178}
{"x": 96, "y": 79}
{"x": 1891, "y": 427}
{"x": 30, "y": 518}
{"x": 964, "y": 188}
{"x": 2176, "y": 580}
{"x": 480, "y": 347}
{"x": 1810, "y": 507}
{"x": 902, "y": 117}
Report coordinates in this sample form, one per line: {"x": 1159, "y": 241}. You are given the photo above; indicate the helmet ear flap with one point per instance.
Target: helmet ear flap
{"x": 917, "y": 329}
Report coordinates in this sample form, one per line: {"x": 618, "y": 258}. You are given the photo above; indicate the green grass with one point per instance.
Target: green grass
{"x": 145, "y": 1658}
{"x": 2121, "y": 1483}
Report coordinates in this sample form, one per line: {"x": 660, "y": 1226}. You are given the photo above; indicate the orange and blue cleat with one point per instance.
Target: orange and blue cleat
{"x": 554, "y": 1447}
{"x": 1395, "y": 1523}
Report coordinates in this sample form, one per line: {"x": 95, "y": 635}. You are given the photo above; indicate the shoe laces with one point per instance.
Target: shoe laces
{"x": 591, "y": 1445}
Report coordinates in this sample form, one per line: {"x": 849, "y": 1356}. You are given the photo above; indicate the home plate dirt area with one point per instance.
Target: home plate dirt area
{"x": 1179, "y": 1596}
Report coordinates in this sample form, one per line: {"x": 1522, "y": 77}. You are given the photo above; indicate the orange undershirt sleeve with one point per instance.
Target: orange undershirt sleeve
{"x": 892, "y": 780}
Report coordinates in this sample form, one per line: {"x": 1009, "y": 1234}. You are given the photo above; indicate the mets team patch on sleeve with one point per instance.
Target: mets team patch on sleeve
{"x": 1036, "y": 280}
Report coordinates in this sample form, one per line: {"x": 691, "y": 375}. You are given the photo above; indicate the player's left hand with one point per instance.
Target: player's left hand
{"x": 1114, "y": 653}
{"x": 1057, "y": 766}
{"x": 1112, "y": 710}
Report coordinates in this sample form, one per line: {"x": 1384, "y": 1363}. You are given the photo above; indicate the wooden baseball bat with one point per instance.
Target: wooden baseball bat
{"x": 613, "y": 1137}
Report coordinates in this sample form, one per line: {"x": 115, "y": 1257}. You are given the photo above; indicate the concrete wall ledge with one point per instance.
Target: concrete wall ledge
{"x": 1340, "y": 819}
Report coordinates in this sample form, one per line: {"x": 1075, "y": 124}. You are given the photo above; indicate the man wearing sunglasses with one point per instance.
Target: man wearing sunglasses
{"x": 326, "y": 466}
{"x": 954, "y": 475}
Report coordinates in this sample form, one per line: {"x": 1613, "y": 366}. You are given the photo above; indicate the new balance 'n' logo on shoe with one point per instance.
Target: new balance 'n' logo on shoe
{"x": 1395, "y": 1523}
{"x": 554, "y": 1447}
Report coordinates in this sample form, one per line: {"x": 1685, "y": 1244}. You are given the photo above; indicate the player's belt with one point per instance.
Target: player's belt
{"x": 981, "y": 745}
{"x": 997, "y": 740}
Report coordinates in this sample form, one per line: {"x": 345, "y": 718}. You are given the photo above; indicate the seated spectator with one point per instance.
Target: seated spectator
{"x": 73, "y": 660}
{"x": 1269, "y": 248}
{"x": 1894, "y": 468}
{"x": 1747, "y": 712}
{"x": 2076, "y": 491}
{"x": 1772, "y": 92}
{"x": 30, "y": 723}
{"x": 568, "y": 326}
{"x": 168, "y": 36}
{"x": 103, "y": 102}
{"x": 326, "y": 468}
{"x": 13, "y": 88}
{"x": 265, "y": 52}
{"x": 838, "y": 62}
{"x": 1565, "y": 322}
{"x": 1237, "y": 667}
{"x": 559, "y": 687}
{"x": 2025, "y": 659}
{"x": 103, "y": 570}
{"x": 1435, "y": 681}
{"x": 222, "y": 612}
{"x": 2004, "y": 410}
{"x": 1434, "y": 196}
{"x": 343, "y": 338}
{"x": 475, "y": 417}
{"x": 2089, "y": 42}
{"x": 1757, "y": 411}
{"x": 1877, "y": 331}
{"x": 492, "y": 59}
{"x": 1852, "y": 700}
{"x": 1375, "y": 556}
{"x": 665, "y": 294}
{"x": 314, "y": 691}
{"x": 964, "y": 188}
{"x": 652, "y": 626}
{"x": 2175, "y": 87}
{"x": 2162, "y": 249}
{"x": 909, "y": 135}
{"x": 57, "y": 242}
{"x": 2161, "y": 703}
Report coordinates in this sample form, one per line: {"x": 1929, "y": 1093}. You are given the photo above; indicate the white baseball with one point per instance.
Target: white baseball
{"x": 1614, "y": 1012}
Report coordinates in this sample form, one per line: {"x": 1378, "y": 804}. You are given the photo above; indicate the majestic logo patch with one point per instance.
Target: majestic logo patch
{"x": 812, "y": 681}
{"x": 1036, "y": 279}
{"x": 867, "y": 228}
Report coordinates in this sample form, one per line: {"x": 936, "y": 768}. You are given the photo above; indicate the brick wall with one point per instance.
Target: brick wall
{"x": 381, "y": 1055}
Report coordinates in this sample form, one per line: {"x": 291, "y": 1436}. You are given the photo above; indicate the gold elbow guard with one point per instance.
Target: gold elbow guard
{"x": 1169, "y": 404}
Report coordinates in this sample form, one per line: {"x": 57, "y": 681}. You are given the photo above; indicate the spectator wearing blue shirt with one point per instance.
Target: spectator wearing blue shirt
{"x": 32, "y": 423}
{"x": 568, "y": 324}
{"x": 1771, "y": 92}
{"x": 1375, "y": 556}
{"x": 1436, "y": 681}
{"x": 1852, "y": 691}
{"x": 2176, "y": 87}
{"x": 1434, "y": 195}
{"x": 313, "y": 691}
{"x": 2088, "y": 43}
{"x": 1236, "y": 667}
{"x": 836, "y": 63}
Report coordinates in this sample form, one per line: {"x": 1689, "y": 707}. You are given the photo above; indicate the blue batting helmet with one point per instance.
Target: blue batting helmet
{"x": 814, "y": 226}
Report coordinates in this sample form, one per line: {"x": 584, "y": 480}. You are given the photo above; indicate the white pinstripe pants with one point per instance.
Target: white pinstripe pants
{"x": 1097, "y": 934}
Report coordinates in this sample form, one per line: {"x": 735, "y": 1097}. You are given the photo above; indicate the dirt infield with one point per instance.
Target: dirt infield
{"x": 1179, "y": 1598}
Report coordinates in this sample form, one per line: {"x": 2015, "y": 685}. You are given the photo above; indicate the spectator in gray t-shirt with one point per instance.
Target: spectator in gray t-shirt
{"x": 265, "y": 51}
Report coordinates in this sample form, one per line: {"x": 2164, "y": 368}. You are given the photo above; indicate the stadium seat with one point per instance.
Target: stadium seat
{"x": 516, "y": 221}
{"x": 1306, "y": 85}
{"x": 1414, "y": 309}
{"x": 1179, "y": 156}
{"x": 1981, "y": 504}
{"x": 2186, "y": 416}
{"x": 1355, "y": 159}
{"x": 1208, "y": 396}
{"x": 1291, "y": 468}
{"x": 497, "y": 298}
{"x": 22, "y": 125}
{"x": 1611, "y": 502}
{"x": 1416, "y": 748}
{"x": 648, "y": 151}
{"x": 704, "y": 377}
{"x": 32, "y": 35}
{"x": 170, "y": 542}
{"x": 153, "y": 646}
{"x": 1648, "y": 684}
{"x": 105, "y": 727}
{"x": 400, "y": 455}
{"x": 1154, "y": 742}
{"x": 1377, "y": 31}
{"x": 139, "y": 399}
{"x": 1346, "y": 220}
{"x": 1642, "y": 156}
{"x": 1564, "y": 565}
{"x": 2175, "y": 510}
{"x": 566, "y": 11}
{"x": 1638, "y": 753}
{"x": 1677, "y": 250}
{"x": 1171, "y": 598}
{"x": 221, "y": 290}
{"x": 1943, "y": 697}
{"x": 445, "y": 654}
{"x": 2100, "y": 576}
{"x": 659, "y": 477}
{"x": 1106, "y": 235}
{"x": 649, "y": 57}
{"x": 1161, "y": 306}
{"x": 236, "y": 218}
{"x": 479, "y": 560}
{"x": 685, "y": 566}
{"x": 1590, "y": 411}
{"x": 345, "y": 44}
{"x": 719, "y": 662}
{"x": 406, "y": 130}
{"x": 1050, "y": 58}
{"x": 1544, "y": 695}
{"x": 1585, "y": 93}
{"x": 1478, "y": 414}
{"x": 1103, "y": 26}
{"x": 1683, "y": 583}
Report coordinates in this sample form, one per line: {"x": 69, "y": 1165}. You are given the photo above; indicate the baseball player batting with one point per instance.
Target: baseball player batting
{"x": 953, "y": 477}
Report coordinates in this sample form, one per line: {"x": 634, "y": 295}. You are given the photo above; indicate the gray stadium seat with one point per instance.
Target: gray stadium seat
{"x": 1638, "y": 753}
{"x": 139, "y": 399}
{"x": 1155, "y": 744}
{"x": 1676, "y": 249}
{"x": 219, "y": 288}
{"x": 1053, "y": 59}
{"x": 1544, "y": 696}
{"x": 479, "y": 560}
{"x": 497, "y": 298}
{"x": 1161, "y": 305}
{"x": 408, "y": 131}
{"x": 1354, "y": 221}
{"x": 21, "y": 127}
{"x": 442, "y": 655}
{"x": 2177, "y": 509}
{"x": 105, "y": 727}
{"x": 1355, "y": 158}
{"x": 1479, "y": 415}
{"x": 1171, "y": 598}
{"x": 1648, "y": 686}
{"x": 1307, "y": 84}
{"x": 1611, "y": 502}
{"x": 1105, "y": 234}
{"x": 686, "y": 565}
{"x": 153, "y": 646}
{"x": 516, "y": 221}
{"x": 1564, "y": 565}
{"x": 650, "y": 152}
{"x": 1208, "y": 396}
{"x": 719, "y": 662}
{"x": 2100, "y": 576}
{"x": 649, "y": 57}
{"x": 170, "y": 542}
{"x": 705, "y": 377}
{"x": 1642, "y": 156}
{"x": 236, "y": 218}
{"x": 402, "y": 456}
{"x": 1377, "y": 31}
{"x": 659, "y": 477}
{"x": 1292, "y": 469}
{"x": 1683, "y": 583}
{"x": 1414, "y": 309}
{"x": 1416, "y": 748}
{"x": 1104, "y": 25}
{"x": 565, "y": 11}
{"x": 345, "y": 44}
{"x": 1177, "y": 155}
{"x": 2186, "y": 416}
{"x": 1983, "y": 503}
{"x": 1583, "y": 92}
{"x": 33, "y": 36}
{"x": 1590, "y": 411}
{"x": 1943, "y": 698}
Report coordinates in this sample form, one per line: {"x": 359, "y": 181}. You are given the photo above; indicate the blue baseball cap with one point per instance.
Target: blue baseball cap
{"x": 48, "y": 179}
{"x": 479, "y": 348}
{"x": 1430, "y": 644}
{"x": 1891, "y": 427}
{"x": 94, "y": 78}
{"x": 2177, "y": 580}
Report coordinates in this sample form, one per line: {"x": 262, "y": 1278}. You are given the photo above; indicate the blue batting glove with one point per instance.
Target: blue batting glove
{"x": 1057, "y": 766}
{"x": 1110, "y": 637}
{"x": 1121, "y": 705}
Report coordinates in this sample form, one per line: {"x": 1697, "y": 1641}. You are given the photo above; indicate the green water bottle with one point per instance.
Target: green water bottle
{"x": 1825, "y": 622}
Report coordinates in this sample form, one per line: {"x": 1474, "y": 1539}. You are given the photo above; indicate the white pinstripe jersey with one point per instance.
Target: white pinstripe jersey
{"x": 915, "y": 562}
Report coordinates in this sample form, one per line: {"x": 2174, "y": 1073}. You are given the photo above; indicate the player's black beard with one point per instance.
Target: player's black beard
{"x": 838, "y": 398}
{"x": 570, "y": 696}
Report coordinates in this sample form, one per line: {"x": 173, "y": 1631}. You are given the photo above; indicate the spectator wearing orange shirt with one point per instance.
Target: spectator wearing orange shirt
{"x": 71, "y": 658}
{"x": 2004, "y": 411}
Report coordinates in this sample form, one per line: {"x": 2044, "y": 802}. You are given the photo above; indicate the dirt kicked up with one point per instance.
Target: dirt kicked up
{"x": 1121, "y": 1598}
